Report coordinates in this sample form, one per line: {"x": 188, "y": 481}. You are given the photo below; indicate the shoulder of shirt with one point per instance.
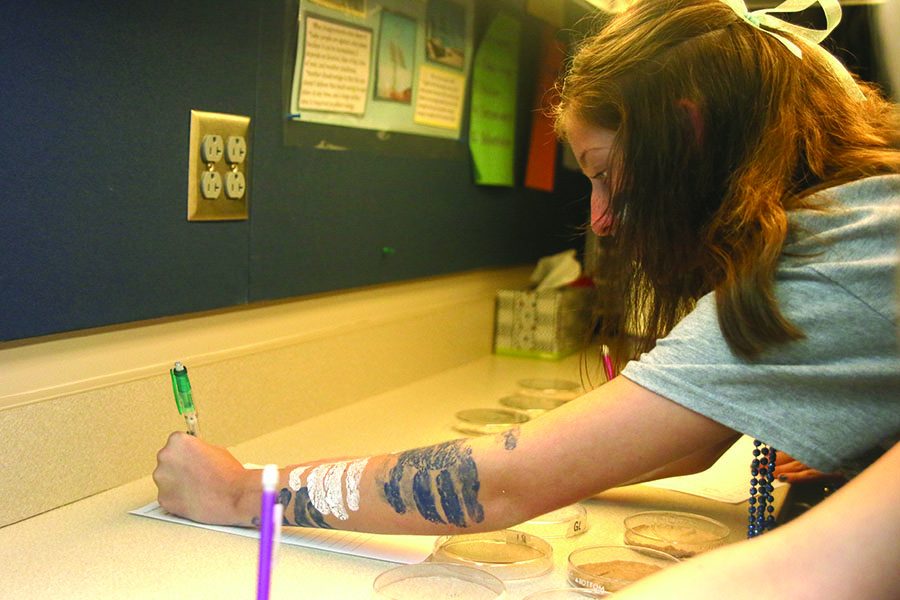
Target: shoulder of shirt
{"x": 875, "y": 189}
{"x": 872, "y": 203}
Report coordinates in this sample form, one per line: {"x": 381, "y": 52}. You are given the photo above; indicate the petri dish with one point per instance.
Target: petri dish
{"x": 568, "y": 521}
{"x": 560, "y": 389}
{"x": 507, "y": 553}
{"x": 437, "y": 581}
{"x": 611, "y": 568}
{"x": 680, "y": 534}
{"x": 488, "y": 420}
{"x": 567, "y": 594}
{"x": 531, "y": 405}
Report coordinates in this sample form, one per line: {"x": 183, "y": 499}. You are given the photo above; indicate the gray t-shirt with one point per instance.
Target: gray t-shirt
{"x": 832, "y": 399}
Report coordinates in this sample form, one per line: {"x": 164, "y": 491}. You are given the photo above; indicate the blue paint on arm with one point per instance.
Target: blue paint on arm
{"x": 452, "y": 470}
{"x": 511, "y": 438}
{"x": 392, "y": 489}
{"x": 449, "y": 500}
{"x": 305, "y": 514}
{"x": 424, "y": 498}
{"x": 284, "y": 498}
{"x": 469, "y": 486}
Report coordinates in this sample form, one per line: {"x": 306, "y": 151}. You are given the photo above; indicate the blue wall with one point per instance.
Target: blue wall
{"x": 96, "y": 100}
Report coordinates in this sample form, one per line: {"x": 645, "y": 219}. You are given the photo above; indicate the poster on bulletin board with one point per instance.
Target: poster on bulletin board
{"x": 387, "y": 65}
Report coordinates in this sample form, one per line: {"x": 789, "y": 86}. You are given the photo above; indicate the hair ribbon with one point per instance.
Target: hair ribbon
{"x": 765, "y": 21}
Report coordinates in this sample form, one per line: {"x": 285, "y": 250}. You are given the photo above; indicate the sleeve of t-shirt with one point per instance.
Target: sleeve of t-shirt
{"x": 833, "y": 398}
{"x": 826, "y": 400}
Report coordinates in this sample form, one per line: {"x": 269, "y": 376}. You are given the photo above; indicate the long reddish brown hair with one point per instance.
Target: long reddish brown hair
{"x": 701, "y": 204}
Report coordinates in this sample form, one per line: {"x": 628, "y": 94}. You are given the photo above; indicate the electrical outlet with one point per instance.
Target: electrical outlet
{"x": 211, "y": 148}
{"x": 218, "y": 153}
{"x": 211, "y": 185}
{"x": 235, "y": 185}
{"x": 236, "y": 150}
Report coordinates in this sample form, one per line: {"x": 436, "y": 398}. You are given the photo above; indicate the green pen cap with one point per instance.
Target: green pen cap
{"x": 181, "y": 387}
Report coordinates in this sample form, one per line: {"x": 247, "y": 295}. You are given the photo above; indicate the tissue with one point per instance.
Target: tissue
{"x": 551, "y": 317}
{"x": 556, "y": 271}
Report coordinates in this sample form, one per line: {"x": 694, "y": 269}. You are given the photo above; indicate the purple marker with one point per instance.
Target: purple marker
{"x": 266, "y": 531}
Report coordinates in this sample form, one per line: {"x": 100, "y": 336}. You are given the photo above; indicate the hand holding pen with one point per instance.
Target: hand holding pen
{"x": 205, "y": 483}
{"x": 181, "y": 386}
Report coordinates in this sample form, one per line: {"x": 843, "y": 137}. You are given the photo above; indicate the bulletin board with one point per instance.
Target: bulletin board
{"x": 385, "y": 65}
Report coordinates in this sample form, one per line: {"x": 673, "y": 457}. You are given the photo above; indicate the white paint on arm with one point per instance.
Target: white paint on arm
{"x": 295, "y": 481}
{"x": 315, "y": 483}
{"x": 354, "y": 474}
{"x": 334, "y": 492}
{"x": 326, "y": 484}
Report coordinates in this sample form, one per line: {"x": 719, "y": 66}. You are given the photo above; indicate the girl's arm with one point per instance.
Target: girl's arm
{"x": 697, "y": 462}
{"x": 846, "y": 547}
{"x": 602, "y": 439}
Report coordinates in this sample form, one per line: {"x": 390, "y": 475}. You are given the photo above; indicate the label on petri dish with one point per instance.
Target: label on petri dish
{"x": 613, "y": 575}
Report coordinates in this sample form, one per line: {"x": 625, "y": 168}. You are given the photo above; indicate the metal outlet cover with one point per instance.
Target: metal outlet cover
{"x": 222, "y": 208}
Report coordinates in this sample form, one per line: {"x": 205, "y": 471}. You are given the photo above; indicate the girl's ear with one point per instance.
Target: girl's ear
{"x": 694, "y": 118}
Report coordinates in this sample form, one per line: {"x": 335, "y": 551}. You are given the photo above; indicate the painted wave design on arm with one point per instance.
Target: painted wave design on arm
{"x": 440, "y": 482}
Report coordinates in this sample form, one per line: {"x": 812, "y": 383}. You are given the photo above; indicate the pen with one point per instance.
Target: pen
{"x": 181, "y": 387}
{"x": 267, "y": 528}
{"x": 607, "y": 363}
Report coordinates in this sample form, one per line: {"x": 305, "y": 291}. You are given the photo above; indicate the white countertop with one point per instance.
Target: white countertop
{"x": 95, "y": 549}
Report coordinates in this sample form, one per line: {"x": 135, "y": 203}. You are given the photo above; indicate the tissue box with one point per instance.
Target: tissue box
{"x": 549, "y": 323}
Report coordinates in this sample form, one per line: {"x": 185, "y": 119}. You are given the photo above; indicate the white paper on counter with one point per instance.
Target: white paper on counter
{"x": 406, "y": 549}
{"x": 728, "y": 480}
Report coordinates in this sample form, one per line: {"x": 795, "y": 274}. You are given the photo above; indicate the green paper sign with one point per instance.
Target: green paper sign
{"x": 492, "y": 129}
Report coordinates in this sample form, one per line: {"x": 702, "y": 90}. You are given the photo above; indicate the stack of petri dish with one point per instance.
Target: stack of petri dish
{"x": 680, "y": 534}
{"x": 437, "y": 580}
{"x": 556, "y": 389}
{"x": 531, "y": 405}
{"x": 567, "y": 594}
{"x": 611, "y": 568}
{"x": 480, "y": 421}
{"x": 506, "y": 554}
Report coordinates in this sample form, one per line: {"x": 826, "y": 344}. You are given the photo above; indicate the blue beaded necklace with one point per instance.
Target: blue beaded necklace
{"x": 762, "y": 472}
